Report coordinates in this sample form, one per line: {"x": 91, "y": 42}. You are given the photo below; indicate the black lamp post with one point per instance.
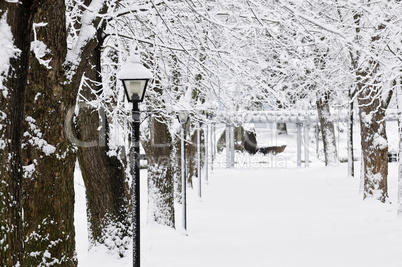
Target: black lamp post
{"x": 182, "y": 116}
{"x": 135, "y": 78}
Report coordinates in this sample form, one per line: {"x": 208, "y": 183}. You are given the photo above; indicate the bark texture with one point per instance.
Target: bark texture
{"x": 327, "y": 129}
{"x": 48, "y": 157}
{"x": 160, "y": 174}
{"x": 103, "y": 175}
{"x": 12, "y": 97}
{"x": 373, "y": 102}
{"x": 374, "y": 141}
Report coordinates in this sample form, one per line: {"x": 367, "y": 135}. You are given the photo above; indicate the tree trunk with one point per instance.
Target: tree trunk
{"x": 351, "y": 164}
{"x": 372, "y": 108}
{"x": 49, "y": 157}
{"x": 13, "y": 82}
{"x": 191, "y": 156}
{"x": 374, "y": 144}
{"x": 399, "y": 101}
{"x": 104, "y": 175}
{"x": 104, "y": 178}
{"x": 48, "y": 154}
{"x": 327, "y": 129}
{"x": 160, "y": 174}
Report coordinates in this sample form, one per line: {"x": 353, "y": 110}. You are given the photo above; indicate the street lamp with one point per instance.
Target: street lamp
{"x": 182, "y": 116}
{"x": 135, "y": 79}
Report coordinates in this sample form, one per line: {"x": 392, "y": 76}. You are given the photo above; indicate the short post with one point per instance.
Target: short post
{"x": 232, "y": 148}
{"x": 317, "y": 136}
{"x": 206, "y": 151}
{"x": 212, "y": 145}
{"x": 227, "y": 139}
{"x": 298, "y": 126}
{"x": 306, "y": 142}
{"x": 199, "y": 158}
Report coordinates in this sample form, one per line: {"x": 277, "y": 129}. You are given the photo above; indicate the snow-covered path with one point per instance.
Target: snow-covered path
{"x": 278, "y": 218}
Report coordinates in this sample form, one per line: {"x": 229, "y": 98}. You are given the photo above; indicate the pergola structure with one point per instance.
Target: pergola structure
{"x": 302, "y": 119}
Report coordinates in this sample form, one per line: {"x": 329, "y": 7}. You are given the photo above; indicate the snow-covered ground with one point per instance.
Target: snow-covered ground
{"x": 273, "y": 216}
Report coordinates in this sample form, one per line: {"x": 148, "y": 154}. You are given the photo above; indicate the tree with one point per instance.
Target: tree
{"x": 373, "y": 97}
{"x": 160, "y": 174}
{"x": 102, "y": 167}
{"x": 103, "y": 172}
{"x": 327, "y": 129}
{"x": 15, "y": 26}
{"x": 48, "y": 156}
{"x": 55, "y": 75}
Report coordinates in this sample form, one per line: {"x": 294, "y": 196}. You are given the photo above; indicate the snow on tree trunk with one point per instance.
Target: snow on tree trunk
{"x": 351, "y": 164}
{"x": 160, "y": 174}
{"x": 399, "y": 99}
{"x": 55, "y": 75}
{"x": 374, "y": 143}
{"x": 15, "y": 29}
{"x": 103, "y": 173}
{"x": 327, "y": 130}
{"x": 48, "y": 156}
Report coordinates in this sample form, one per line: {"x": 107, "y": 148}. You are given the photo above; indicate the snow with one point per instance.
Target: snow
{"x": 380, "y": 141}
{"x": 40, "y": 50}
{"x": 7, "y": 51}
{"x": 133, "y": 69}
{"x": 36, "y": 137}
{"x": 87, "y": 32}
{"x": 266, "y": 217}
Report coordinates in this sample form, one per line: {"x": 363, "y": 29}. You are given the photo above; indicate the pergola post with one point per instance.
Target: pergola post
{"x": 299, "y": 139}
{"x": 306, "y": 142}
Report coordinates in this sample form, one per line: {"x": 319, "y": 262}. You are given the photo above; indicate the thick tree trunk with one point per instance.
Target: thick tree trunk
{"x": 327, "y": 129}
{"x": 104, "y": 175}
{"x": 48, "y": 156}
{"x": 374, "y": 144}
{"x": 106, "y": 189}
{"x": 160, "y": 174}
{"x": 13, "y": 82}
{"x": 372, "y": 108}
{"x": 373, "y": 102}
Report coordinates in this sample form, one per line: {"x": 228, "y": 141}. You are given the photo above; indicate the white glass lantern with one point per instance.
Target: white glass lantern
{"x": 135, "y": 78}
{"x": 182, "y": 116}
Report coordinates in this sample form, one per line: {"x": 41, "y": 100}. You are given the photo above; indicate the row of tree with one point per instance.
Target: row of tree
{"x": 60, "y": 100}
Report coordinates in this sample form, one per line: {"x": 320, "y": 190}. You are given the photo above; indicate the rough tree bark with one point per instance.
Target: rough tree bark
{"x": 19, "y": 17}
{"x": 47, "y": 153}
{"x": 160, "y": 174}
{"x": 374, "y": 141}
{"x": 373, "y": 102}
{"x": 49, "y": 158}
{"x": 327, "y": 129}
{"x": 103, "y": 174}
